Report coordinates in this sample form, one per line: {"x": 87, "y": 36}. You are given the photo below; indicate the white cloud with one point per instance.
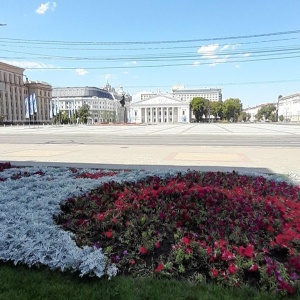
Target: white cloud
{"x": 125, "y": 72}
{"x": 46, "y": 6}
{"x": 246, "y": 54}
{"x": 133, "y": 62}
{"x": 196, "y": 63}
{"x": 237, "y": 66}
{"x": 225, "y": 47}
{"x": 81, "y": 72}
{"x": 28, "y": 64}
{"x": 208, "y": 51}
{"x": 213, "y": 54}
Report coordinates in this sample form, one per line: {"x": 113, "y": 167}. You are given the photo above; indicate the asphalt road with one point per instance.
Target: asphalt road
{"x": 252, "y": 135}
{"x": 245, "y": 147}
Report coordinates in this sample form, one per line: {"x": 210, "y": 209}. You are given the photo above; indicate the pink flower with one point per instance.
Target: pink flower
{"x": 253, "y": 268}
{"x": 188, "y": 250}
{"x": 214, "y": 273}
{"x": 157, "y": 244}
{"x": 100, "y": 217}
{"x": 232, "y": 269}
{"x": 143, "y": 250}
{"x": 185, "y": 240}
{"x": 159, "y": 268}
{"x": 108, "y": 233}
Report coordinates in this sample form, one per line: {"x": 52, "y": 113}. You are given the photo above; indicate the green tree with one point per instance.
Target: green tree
{"x": 64, "y": 117}
{"x": 243, "y": 116}
{"x": 232, "y": 108}
{"x": 199, "y": 107}
{"x": 83, "y": 113}
{"x": 281, "y": 118}
{"x": 216, "y": 109}
{"x": 267, "y": 112}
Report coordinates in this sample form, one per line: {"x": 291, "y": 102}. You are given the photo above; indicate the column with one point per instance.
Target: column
{"x": 145, "y": 113}
{"x": 168, "y": 111}
{"x": 173, "y": 115}
{"x": 151, "y": 113}
{"x": 162, "y": 114}
{"x": 156, "y": 114}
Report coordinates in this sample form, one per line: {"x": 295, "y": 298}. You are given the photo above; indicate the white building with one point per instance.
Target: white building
{"x": 181, "y": 103}
{"x": 211, "y": 94}
{"x": 187, "y": 95}
{"x": 254, "y": 110}
{"x": 289, "y": 107}
{"x": 104, "y": 103}
{"x": 160, "y": 109}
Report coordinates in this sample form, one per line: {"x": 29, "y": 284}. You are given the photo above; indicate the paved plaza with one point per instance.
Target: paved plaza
{"x": 261, "y": 147}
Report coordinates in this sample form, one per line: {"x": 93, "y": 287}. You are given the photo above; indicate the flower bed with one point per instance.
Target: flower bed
{"x": 226, "y": 228}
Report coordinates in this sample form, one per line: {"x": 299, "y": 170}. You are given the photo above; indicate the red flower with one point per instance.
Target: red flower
{"x": 159, "y": 268}
{"x": 253, "y": 268}
{"x": 143, "y": 250}
{"x": 185, "y": 240}
{"x": 157, "y": 244}
{"x": 249, "y": 251}
{"x": 108, "y": 233}
{"x": 246, "y": 251}
{"x": 100, "y": 217}
{"x": 114, "y": 220}
{"x": 232, "y": 269}
{"x": 132, "y": 261}
{"x": 214, "y": 273}
{"x": 270, "y": 228}
{"x": 188, "y": 250}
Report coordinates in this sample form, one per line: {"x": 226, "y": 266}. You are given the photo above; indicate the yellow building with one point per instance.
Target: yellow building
{"x": 13, "y": 92}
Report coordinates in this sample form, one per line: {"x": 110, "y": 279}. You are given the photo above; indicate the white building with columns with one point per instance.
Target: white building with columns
{"x": 160, "y": 109}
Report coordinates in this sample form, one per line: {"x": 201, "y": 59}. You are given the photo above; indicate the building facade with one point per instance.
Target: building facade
{"x": 43, "y": 94}
{"x": 160, "y": 109}
{"x": 13, "y": 92}
{"x": 187, "y": 95}
{"x": 183, "y": 95}
{"x": 289, "y": 108}
{"x": 104, "y": 104}
{"x": 254, "y": 110}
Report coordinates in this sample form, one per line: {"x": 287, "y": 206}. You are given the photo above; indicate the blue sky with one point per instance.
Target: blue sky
{"x": 250, "y": 49}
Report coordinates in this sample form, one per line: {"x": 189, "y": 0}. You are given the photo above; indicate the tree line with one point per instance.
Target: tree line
{"x": 230, "y": 110}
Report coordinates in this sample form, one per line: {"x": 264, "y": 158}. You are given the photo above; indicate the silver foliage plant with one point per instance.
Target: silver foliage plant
{"x": 27, "y": 230}
{"x": 27, "y": 206}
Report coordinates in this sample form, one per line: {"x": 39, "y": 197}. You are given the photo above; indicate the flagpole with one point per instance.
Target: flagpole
{"x": 28, "y": 97}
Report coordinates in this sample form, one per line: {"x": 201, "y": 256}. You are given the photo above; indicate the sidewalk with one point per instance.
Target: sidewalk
{"x": 27, "y": 146}
{"x": 264, "y": 159}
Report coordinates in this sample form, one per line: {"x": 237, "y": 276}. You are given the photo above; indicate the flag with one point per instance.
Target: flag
{"x": 50, "y": 110}
{"x": 31, "y": 105}
{"x": 26, "y": 108}
{"x": 57, "y": 106}
{"x": 54, "y": 108}
{"x": 34, "y": 103}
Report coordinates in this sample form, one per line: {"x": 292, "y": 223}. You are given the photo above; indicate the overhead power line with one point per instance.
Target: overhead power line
{"x": 152, "y": 42}
{"x": 20, "y": 45}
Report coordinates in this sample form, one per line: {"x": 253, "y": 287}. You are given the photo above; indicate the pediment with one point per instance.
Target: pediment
{"x": 159, "y": 100}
